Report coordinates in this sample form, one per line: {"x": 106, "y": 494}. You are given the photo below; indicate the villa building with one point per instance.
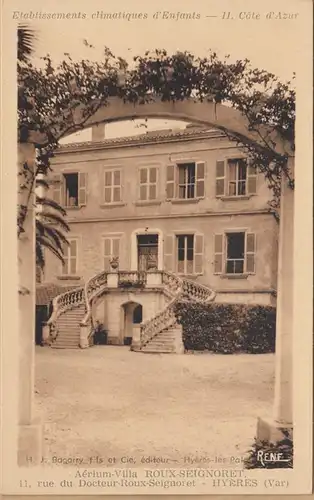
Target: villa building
{"x": 147, "y": 210}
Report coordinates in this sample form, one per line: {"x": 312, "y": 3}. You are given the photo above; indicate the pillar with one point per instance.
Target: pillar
{"x": 283, "y": 405}
{"x": 284, "y": 325}
{"x": 29, "y": 440}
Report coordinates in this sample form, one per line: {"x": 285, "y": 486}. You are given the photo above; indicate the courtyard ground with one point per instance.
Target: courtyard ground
{"x": 109, "y": 402}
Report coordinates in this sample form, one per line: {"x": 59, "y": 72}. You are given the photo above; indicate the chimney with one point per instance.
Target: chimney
{"x": 98, "y": 132}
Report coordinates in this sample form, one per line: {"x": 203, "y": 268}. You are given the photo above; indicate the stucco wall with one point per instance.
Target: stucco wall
{"x": 207, "y": 216}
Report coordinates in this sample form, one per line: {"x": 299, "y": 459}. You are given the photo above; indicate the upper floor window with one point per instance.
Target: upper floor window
{"x": 70, "y": 255}
{"x": 235, "y": 253}
{"x": 69, "y": 189}
{"x": 235, "y": 177}
{"x": 148, "y": 183}
{"x": 113, "y": 186}
{"x": 186, "y": 180}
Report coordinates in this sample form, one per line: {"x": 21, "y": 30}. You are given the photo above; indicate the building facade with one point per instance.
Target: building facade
{"x": 186, "y": 202}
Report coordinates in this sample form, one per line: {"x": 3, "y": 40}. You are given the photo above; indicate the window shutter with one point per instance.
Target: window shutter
{"x": 250, "y": 252}
{"x": 115, "y": 247}
{"x": 198, "y": 253}
{"x": 82, "y": 194}
{"x": 107, "y": 253}
{"x": 219, "y": 253}
{"x": 57, "y": 189}
{"x": 200, "y": 179}
{"x": 120, "y": 178}
{"x": 169, "y": 252}
{"x": 220, "y": 177}
{"x": 170, "y": 182}
{"x": 251, "y": 179}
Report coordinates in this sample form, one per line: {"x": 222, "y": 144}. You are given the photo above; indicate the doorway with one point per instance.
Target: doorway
{"x": 132, "y": 319}
{"x": 147, "y": 252}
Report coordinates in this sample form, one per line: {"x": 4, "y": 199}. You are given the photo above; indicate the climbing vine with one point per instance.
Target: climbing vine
{"x": 57, "y": 99}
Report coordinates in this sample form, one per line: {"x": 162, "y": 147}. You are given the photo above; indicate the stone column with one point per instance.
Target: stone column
{"x": 29, "y": 443}
{"x": 284, "y": 338}
{"x": 283, "y": 415}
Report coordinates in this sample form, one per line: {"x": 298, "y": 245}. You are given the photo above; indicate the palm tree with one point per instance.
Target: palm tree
{"x": 50, "y": 229}
{"x": 26, "y": 38}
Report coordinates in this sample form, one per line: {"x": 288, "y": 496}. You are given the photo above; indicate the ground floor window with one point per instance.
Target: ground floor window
{"x": 185, "y": 253}
{"x": 235, "y": 252}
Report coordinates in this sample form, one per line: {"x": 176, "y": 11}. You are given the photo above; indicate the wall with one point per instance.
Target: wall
{"x": 207, "y": 216}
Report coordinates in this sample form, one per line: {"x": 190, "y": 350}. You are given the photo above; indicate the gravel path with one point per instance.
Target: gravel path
{"x": 110, "y": 403}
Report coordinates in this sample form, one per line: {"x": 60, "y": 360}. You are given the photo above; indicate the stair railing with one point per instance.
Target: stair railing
{"x": 179, "y": 289}
{"x": 65, "y": 301}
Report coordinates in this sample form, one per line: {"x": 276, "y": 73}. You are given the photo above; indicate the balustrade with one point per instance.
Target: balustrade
{"x": 132, "y": 278}
{"x": 175, "y": 287}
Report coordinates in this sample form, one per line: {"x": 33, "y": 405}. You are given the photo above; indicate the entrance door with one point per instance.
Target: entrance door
{"x": 147, "y": 251}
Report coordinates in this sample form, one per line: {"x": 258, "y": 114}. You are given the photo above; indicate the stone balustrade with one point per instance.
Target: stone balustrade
{"x": 175, "y": 287}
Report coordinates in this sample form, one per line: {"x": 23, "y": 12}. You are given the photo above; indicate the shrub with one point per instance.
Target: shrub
{"x": 227, "y": 328}
{"x": 284, "y": 446}
{"x": 100, "y": 334}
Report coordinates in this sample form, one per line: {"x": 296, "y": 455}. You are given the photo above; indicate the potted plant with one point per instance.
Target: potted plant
{"x": 114, "y": 263}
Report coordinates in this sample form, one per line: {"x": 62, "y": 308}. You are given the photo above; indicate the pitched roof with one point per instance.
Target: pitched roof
{"x": 153, "y": 136}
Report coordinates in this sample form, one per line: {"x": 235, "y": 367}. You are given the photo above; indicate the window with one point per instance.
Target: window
{"x": 148, "y": 183}
{"x": 111, "y": 247}
{"x": 69, "y": 189}
{"x": 235, "y": 253}
{"x": 186, "y": 180}
{"x": 235, "y": 177}
{"x": 113, "y": 190}
{"x": 189, "y": 254}
{"x": 185, "y": 254}
{"x": 70, "y": 265}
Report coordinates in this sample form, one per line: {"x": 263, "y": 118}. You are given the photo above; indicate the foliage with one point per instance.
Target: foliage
{"x": 54, "y": 100}
{"x": 100, "y": 335}
{"x": 50, "y": 229}
{"x": 227, "y": 328}
{"x": 26, "y": 37}
{"x": 284, "y": 447}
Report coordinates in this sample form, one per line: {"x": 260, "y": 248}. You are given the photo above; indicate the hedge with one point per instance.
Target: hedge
{"x": 227, "y": 328}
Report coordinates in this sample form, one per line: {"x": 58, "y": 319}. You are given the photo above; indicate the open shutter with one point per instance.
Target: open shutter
{"x": 170, "y": 186}
{"x": 82, "y": 194}
{"x": 251, "y": 179}
{"x": 116, "y": 247}
{"x": 220, "y": 177}
{"x": 219, "y": 253}
{"x": 169, "y": 251}
{"x": 118, "y": 192}
{"x": 57, "y": 188}
{"x": 250, "y": 252}
{"x": 200, "y": 179}
{"x": 198, "y": 253}
{"x": 107, "y": 253}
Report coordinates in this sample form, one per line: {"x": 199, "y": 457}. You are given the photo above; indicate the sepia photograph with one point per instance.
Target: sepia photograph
{"x": 157, "y": 284}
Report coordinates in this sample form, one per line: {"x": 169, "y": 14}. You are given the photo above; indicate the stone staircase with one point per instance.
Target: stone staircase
{"x": 70, "y": 325}
{"x": 164, "y": 342}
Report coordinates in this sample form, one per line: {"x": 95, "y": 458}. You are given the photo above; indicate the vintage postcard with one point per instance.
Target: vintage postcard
{"x": 156, "y": 247}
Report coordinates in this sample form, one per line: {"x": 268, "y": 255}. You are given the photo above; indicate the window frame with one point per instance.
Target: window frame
{"x": 224, "y": 254}
{"x": 68, "y": 259}
{"x": 112, "y": 170}
{"x": 226, "y": 178}
{"x": 148, "y": 183}
{"x": 176, "y": 184}
{"x": 110, "y": 236}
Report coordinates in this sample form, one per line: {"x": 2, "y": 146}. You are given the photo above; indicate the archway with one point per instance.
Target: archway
{"x": 213, "y": 115}
{"x": 132, "y": 317}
